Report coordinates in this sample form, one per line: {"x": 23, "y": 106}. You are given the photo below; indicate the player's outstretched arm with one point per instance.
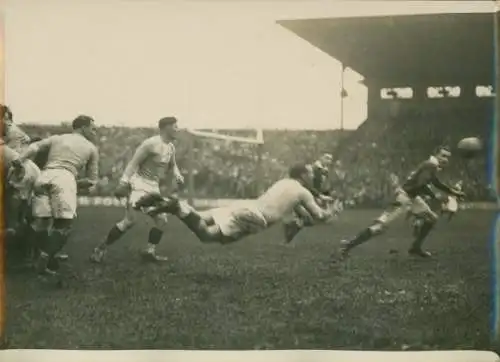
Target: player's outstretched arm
{"x": 34, "y": 148}
{"x": 446, "y": 188}
{"x": 313, "y": 208}
{"x": 141, "y": 153}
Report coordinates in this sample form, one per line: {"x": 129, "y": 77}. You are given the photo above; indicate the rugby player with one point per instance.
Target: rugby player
{"x": 18, "y": 191}
{"x": 229, "y": 224}
{"x": 410, "y": 196}
{"x": 54, "y": 203}
{"x": 153, "y": 159}
{"x": 320, "y": 191}
{"x": 447, "y": 208}
{"x": 18, "y": 185}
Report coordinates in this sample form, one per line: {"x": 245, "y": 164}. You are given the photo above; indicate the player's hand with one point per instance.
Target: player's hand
{"x": 325, "y": 198}
{"x": 123, "y": 189}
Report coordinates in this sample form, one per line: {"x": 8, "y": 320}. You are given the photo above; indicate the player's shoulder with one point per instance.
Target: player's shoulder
{"x": 93, "y": 148}
{"x": 296, "y": 186}
{"x": 54, "y": 137}
{"x": 152, "y": 141}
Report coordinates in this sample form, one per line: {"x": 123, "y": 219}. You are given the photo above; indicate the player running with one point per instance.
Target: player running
{"x": 446, "y": 207}
{"x": 319, "y": 189}
{"x": 229, "y": 224}
{"x": 410, "y": 196}
{"x": 153, "y": 159}
{"x": 55, "y": 193}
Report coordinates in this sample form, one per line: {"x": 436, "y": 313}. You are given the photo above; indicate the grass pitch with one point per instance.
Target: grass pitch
{"x": 262, "y": 293}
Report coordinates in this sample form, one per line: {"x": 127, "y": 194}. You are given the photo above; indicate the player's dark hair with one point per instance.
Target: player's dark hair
{"x": 297, "y": 171}
{"x": 442, "y": 148}
{"x": 166, "y": 121}
{"x": 5, "y": 112}
{"x": 82, "y": 121}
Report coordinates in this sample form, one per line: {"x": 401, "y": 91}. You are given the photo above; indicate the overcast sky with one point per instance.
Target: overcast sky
{"x": 212, "y": 64}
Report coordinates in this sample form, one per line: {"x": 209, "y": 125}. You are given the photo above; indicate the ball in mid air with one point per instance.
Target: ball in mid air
{"x": 470, "y": 147}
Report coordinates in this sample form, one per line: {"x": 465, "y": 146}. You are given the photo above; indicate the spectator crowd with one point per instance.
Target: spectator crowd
{"x": 365, "y": 158}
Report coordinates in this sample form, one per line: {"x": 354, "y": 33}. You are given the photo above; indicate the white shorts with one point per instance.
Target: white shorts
{"x": 236, "y": 222}
{"x": 59, "y": 200}
{"x": 140, "y": 188}
{"x": 403, "y": 204}
{"x": 451, "y": 205}
{"x": 24, "y": 186}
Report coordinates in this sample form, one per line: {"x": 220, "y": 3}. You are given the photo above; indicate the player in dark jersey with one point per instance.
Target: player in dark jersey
{"x": 411, "y": 196}
{"x": 320, "y": 191}
{"x": 446, "y": 207}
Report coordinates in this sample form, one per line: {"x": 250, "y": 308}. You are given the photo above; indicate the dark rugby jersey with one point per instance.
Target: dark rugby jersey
{"x": 419, "y": 181}
{"x": 320, "y": 174}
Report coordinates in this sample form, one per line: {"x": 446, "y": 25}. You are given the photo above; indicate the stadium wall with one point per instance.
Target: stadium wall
{"x": 211, "y": 203}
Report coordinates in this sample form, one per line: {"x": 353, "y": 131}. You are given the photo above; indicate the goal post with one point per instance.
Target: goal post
{"x": 198, "y": 136}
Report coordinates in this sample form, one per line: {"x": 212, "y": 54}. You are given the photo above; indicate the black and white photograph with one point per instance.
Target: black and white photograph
{"x": 250, "y": 175}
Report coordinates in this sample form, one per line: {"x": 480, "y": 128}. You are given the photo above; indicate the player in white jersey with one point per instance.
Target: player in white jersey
{"x": 153, "y": 160}
{"x": 55, "y": 192}
{"x": 320, "y": 191}
{"x": 229, "y": 224}
{"x": 410, "y": 196}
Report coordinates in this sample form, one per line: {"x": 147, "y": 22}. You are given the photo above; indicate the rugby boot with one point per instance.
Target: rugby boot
{"x": 149, "y": 255}
{"x": 419, "y": 252}
{"x": 43, "y": 263}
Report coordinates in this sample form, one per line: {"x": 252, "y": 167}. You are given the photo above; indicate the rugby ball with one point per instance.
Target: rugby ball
{"x": 470, "y": 146}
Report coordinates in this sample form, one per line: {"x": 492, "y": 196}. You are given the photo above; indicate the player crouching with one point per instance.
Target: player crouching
{"x": 232, "y": 223}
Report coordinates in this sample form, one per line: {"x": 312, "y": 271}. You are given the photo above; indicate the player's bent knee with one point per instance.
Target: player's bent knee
{"x": 125, "y": 224}
{"x": 161, "y": 221}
